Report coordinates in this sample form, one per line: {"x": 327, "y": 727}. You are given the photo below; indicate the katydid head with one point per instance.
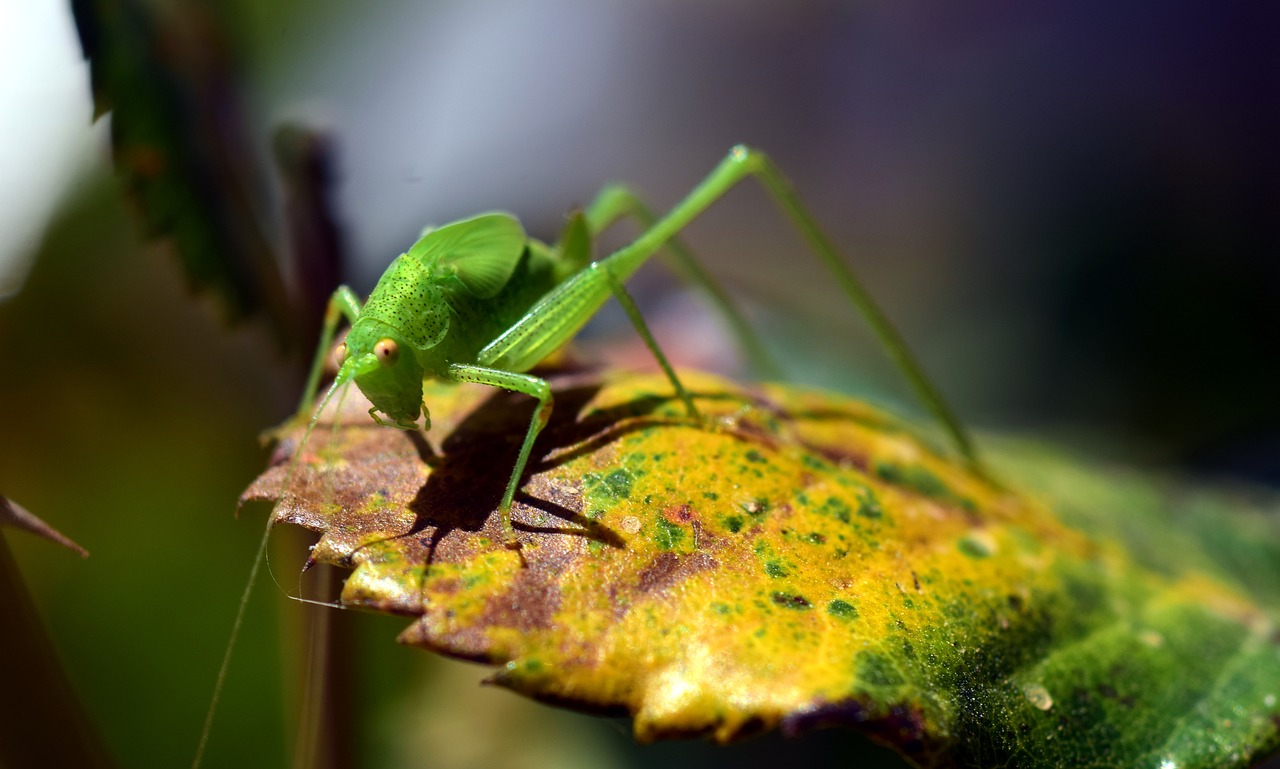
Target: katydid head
{"x": 385, "y": 369}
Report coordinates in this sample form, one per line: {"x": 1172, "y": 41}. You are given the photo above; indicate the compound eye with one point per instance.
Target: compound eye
{"x": 387, "y": 351}
{"x": 340, "y": 354}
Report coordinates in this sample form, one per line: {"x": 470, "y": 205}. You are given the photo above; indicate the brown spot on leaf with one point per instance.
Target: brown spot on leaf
{"x": 679, "y": 514}
{"x": 669, "y": 568}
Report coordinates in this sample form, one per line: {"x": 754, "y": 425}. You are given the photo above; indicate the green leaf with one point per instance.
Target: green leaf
{"x": 180, "y": 146}
{"x": 804, "y": 561}
{"x": 481, "y": 252}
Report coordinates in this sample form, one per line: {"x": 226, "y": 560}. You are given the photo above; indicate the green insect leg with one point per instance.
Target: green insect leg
{"x": 563, "y": 312}
{"x": 616, "y": 201}
{"x": 343, "y": 302}
{"x": 741, "y": 163}
{"x": 521, "y": 383}
{"x": 642, "y": 328}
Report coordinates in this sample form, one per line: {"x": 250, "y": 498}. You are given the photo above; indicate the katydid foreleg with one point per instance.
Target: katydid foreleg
{"x": 546, "y": 326}
{"x": 343, "y": 303}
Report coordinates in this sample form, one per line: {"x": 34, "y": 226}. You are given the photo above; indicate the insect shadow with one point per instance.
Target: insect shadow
{"x": 458, "y": 493}
{"x": 457, "y": 496}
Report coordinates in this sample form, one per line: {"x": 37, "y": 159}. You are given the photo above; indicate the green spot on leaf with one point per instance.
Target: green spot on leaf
{"x": 977, "y": 545}
{"x": 618, "y": 484}
{"x": 836, "y": 508}
{"x": 869, "y": 505}
{"x": 842, "y": 609}
{"x": 775, "y": 569}
{"x": 814, "y": 463}
{"x": 669, "y": 535}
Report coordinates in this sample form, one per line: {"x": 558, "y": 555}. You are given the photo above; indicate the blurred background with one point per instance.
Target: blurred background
{"x": 1072, "y": 213}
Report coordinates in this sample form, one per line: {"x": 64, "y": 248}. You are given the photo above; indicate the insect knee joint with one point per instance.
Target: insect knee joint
{"x": 747, "y": 158}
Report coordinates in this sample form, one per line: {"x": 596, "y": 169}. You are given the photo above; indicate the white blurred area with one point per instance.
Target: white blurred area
{"x": 47, "y": 142}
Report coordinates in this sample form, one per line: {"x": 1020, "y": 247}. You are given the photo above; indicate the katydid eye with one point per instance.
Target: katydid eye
{"x": 340, "y": 353}
{"x": 387, "y": 351}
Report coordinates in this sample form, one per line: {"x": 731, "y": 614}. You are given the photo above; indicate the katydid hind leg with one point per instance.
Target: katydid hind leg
{"x": 743, "y": 162}
{"x": 615, "y": 202}
{"x": 521, "y": 383}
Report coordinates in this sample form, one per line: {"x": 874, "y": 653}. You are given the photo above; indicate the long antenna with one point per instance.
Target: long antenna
{"x": 258, "y": 558}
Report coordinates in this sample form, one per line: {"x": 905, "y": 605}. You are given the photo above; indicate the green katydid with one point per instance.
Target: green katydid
{"x": 478, "y": 301}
